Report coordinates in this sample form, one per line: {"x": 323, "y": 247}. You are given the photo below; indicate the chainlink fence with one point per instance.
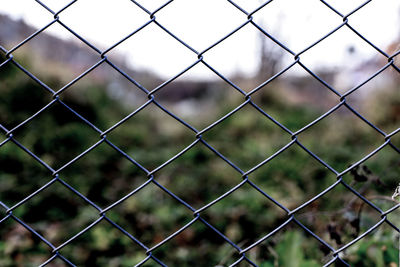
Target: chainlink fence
{"x": 200, "y": 58}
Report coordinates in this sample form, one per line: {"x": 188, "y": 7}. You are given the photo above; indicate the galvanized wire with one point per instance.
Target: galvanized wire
{"x": 200, "y": 58}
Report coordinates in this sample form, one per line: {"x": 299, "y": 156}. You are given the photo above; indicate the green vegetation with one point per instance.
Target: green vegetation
{"x": 198, "y": 177}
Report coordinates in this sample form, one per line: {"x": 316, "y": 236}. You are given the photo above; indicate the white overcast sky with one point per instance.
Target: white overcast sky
{"x": 297, "y": 23}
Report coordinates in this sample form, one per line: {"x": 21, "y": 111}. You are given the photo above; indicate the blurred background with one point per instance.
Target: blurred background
{"x": 247, "y": 58}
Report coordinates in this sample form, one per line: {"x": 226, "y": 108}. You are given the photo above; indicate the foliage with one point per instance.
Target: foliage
{"x": 198, "y": 177}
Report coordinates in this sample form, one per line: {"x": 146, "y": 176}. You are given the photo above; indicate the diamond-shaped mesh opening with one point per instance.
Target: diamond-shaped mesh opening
{"x": 245, "y": 44}
{"x": 89, "y": 21}
{"x": 211, "y": 29}
{"x": 104, "y": 97}
{"x": 198, "y": 166}
{"x": 17, "y": 172}
{"x": 68, "y": 55}
{"x": 191, "y": 247}
{"x": 300, "y": 180}
{"x": 338, "y": 220}
{"x": 151, "y": 136}
{"x": 294, "y": 99}
{"x": 187, "y": 97}
{"x": 104, "y": 245}
{"x": 347, "y": 55}
{"x": 283, "y": 15}
{"x": 56, "y": 213}
{"x": 263, "y": 137}
{"x": 15, "y": 88}
{"x": 237, "y": 216}
{"x": 171, "y": 51}
{"x": 377, "y": 178}
{"x": 381, "y": 21}
{"x": 150, "y": 215}
{"x": 332, "y": 147}
{"x": 378, "y": 100}
{"x": 104, "y": 175}
{"x": 56, "y": 135}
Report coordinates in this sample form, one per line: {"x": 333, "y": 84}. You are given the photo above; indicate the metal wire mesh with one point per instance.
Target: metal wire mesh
{"x": 200, "y": 58}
